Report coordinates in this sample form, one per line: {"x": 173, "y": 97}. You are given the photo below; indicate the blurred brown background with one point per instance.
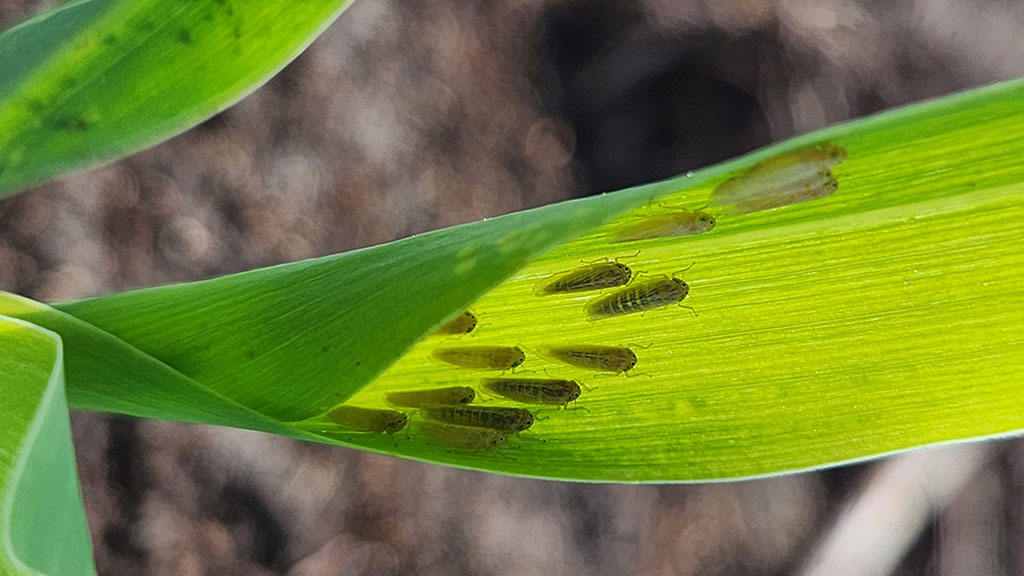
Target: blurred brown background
{"x": 409, "y": 116}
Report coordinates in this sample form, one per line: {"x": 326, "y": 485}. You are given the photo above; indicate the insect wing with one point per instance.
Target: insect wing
{"x": 591, "y": 277}
{"x": 685, "y": 223}
{"x": 417, "y": 398}
{"x": 462, "y": 324}
{"x": 467, "y": 437}
{"x": 481, "y": 357}
{"x": 368, "y": 419}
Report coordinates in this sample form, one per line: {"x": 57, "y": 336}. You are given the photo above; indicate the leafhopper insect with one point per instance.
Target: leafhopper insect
{"x": 796, "y": 176}
{"x": 595, "y": 276}
{"x": 549, "y": 391}
{"x": 481, "y": 357}
{"x": 368, "y": 419}
{"x": 640, "y": 297}
{"x": 466, "y": 437}
{"x": 417, "y": 398}
{"x": 683, "y": 223}
{"x": 462, "y": 324}
{"x": 591, "y": 357}
{"x": 510, "y": 420}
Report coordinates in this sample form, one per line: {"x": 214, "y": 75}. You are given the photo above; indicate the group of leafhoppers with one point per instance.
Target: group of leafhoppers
{"x": 449, "y": 414}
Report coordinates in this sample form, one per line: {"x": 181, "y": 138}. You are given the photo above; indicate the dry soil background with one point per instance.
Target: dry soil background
{"x": 415, "y": 115}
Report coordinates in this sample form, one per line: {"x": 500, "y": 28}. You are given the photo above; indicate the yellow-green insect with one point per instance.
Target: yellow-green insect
{"x": 417, "y": 398}
{"x": 591, "y": 357}
{"x": 640, "y": 297}
{"x": 481, "y": 357}
{"x": 510, "y": 420}
{"x": 814, "y": 187}
{"x": 466, "y": 437}
{"x": 683, "y": 223}
{"x": 550, "y": 391}
{"x": 462, "y": 324}
{"x": 798, "y": 163}
{"x": 783, "y": 176}
{"x": 585, "y": 279}
{"x": 368, "y": 419}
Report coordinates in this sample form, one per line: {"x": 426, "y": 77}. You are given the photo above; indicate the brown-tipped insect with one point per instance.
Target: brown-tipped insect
{"x": 417, "y": 398}
{"x": 481, "y": 357}
{"x": 368, "y": 419}
{"x": 467, "y": 437}
{"x": 549, "y": 391}
{"x": 462, "y": 324}
{"x": 684, "y": 223}
{"x": 510, "y": 420}
{"x": 640, "y": 297}
{"x": 585, "y": 279}
{"x": 590, "y": 357}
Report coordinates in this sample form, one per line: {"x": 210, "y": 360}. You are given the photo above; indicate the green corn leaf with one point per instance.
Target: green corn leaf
{"x": 95, "y": 80}
{"x": 884, "y": 317}
{"x": 40, "y": 500}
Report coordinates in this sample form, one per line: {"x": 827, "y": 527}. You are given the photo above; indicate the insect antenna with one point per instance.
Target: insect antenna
{"x": 616, "y": 259}
{"x": 536, "y": 414}
{"x": 530, "y": 350}
{"x": 672, "y": 206}
{"x": 640, "y": 346}
{"x": 576, "y": 407}
{"x": 532, "y": 435}
{"x": 491, "y": 396}
{"x": 479, "y": 327}
{"x": 679, "y": 272}
{"x": 631, "y": 373}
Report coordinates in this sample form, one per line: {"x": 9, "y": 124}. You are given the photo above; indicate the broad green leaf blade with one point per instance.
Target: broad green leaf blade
{"x": 884, "y": 317}
{"x": 42, "y": 523}
{"x": 294, "y": 340}
{"x": 95, "y": 80}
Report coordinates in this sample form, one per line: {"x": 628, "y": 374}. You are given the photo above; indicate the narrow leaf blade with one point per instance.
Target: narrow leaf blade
{"x": 42, "y": 522}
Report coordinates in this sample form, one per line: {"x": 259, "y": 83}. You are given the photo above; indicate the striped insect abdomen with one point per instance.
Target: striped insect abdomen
{"x": 585, "y": 279}
{"x": 639, "y": 298}
{"x": 481, "y": 357}
{"x": 417, "y": 398}
{"x": 501, "y": 418}
{"x": 534, "y": 390}
{"x": 591, "y": 357}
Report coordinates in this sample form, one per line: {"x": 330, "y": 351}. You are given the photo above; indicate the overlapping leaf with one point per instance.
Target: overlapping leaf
{"x": 40, "y": 501}
{"x": 99, "y": 79}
